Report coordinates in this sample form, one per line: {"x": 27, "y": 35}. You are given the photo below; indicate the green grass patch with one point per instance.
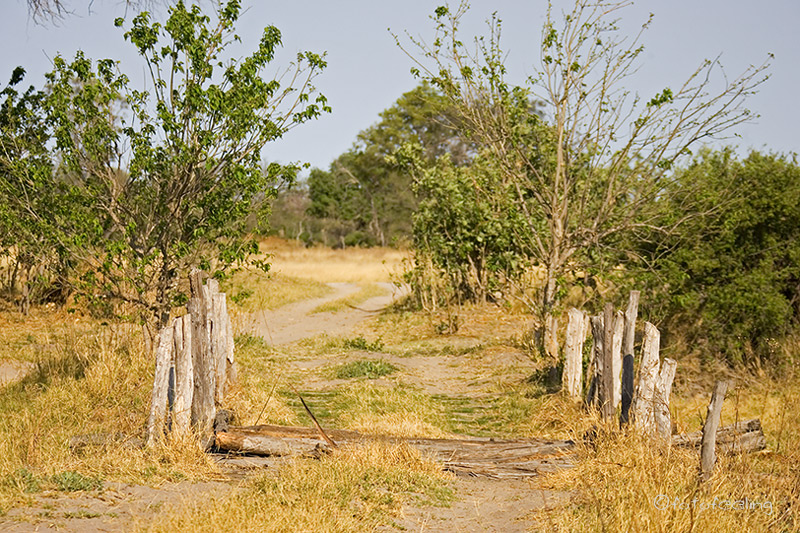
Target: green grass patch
{"x": 360, "y": 343}
{"x": 371, "y": 290}
{"x": 364, "y": 368}
{"x": 70, "y": 481}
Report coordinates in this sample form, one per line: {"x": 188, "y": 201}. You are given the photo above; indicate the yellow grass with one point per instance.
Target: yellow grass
{"x": 353, "y": 490}
{"x": 324, "y": 265}
{"x": 251, "y": 290}
{"x": 366, "y": 292}
{"x": 91, "y": 378}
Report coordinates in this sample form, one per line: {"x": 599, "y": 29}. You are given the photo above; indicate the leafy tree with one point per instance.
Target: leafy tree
{"x": 173, "y": 174}
{"x": 25, "y": 170}
{"x": 369, "y": 198}
{"x": 731, "y": 277}
{"x": 591, "y": 168}
{"x": 461, "y": 233}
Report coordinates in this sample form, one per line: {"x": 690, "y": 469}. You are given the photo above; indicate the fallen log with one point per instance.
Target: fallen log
{"x": 741, "y": 437}
{"x": 485, "y": 457}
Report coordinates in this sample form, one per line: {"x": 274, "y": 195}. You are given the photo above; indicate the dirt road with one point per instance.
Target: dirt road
{"x": 296, "y": 321}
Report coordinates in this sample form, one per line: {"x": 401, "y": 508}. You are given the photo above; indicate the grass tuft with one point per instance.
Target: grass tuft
{"x": 364, "y": 368}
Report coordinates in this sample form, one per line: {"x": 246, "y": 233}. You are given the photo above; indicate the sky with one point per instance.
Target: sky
{"x": 367, "y": 71}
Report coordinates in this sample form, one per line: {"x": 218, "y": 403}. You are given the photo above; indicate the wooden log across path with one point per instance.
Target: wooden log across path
{"x": 485, "y": 457}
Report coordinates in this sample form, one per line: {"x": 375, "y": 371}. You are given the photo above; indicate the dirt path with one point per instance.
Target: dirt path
{"x": 295, "y": 321}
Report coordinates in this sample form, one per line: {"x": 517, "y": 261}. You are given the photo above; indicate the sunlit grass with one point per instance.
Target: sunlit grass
{"x": 366, "y": 292}
{"x": 353, "y": 490}
{"x": 252, "y": 290}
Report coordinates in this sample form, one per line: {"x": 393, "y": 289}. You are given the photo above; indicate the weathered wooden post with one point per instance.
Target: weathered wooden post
{"x": 616, "y": 356}
{"x": 663, "y": 389}
{"x": 628, "y": 338}
{"x": 573, "y": 353}
{"x": 596, "y": 366}
{"x": 630, "y": 323}
{"x": 203, "y": 405}
{"x": 184, "y": 376}
{"x": 708, "y": 454}
{"x": 648, "y": 371}
{"x": 158, "y": 402}
{"x": 606, "y": 381}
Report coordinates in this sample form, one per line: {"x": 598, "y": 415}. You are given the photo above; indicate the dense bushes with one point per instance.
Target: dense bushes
{"x": 730, "y": 277}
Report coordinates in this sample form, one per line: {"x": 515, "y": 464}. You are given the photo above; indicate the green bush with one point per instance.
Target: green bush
{"x": 731, "y": 276}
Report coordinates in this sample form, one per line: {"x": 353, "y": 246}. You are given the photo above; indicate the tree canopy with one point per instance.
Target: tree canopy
{"x": 164, "y": 179}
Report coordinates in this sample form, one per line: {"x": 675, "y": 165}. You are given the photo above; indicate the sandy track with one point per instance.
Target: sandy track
{"x": 294, "y": 322}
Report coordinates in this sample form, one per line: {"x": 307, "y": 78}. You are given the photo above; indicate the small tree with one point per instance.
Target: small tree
{"x": 590, "y": 169}
{"x": 173, "y": 173}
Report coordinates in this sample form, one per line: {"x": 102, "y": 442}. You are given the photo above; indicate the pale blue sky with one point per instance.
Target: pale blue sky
{"x": 367, "y": 72}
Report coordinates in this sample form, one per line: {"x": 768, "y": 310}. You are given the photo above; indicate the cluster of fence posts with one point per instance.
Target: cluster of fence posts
{"x": 194, "y": 365}
{"x": 610, "y": 377}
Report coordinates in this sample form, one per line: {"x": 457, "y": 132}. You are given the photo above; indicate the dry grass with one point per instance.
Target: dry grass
{"x": 366, "y": 292}
{"x": 354, "y": 490}
{"x": 88, "y": 379}
{"x": 324, "y": 265}
{"x": 91, "y": 378}
{"x": 395, "y": 411}
{"x": 251, "y": 290}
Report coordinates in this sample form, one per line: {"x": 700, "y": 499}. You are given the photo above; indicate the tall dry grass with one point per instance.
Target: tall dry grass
{"x": 324, "y": 265}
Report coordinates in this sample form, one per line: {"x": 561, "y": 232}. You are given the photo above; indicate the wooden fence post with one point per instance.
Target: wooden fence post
{"x": 203, "y": 405}
{"x": 606, "y": 381}
{"x": 596, "y": 366}
{"x": 630, "y": 323}
{"x": 184, "y": 375}
{"x": 627, "y": 389}
{"x": 616, "y": 356}
{"x": 220, "y": 342}
{"x": 573, "y": 353}
{"x": 648, "y": 371}
{"x": 663, "y": 389}
{"x": 708, "y": 454}
{"x": 158, "y": 402}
